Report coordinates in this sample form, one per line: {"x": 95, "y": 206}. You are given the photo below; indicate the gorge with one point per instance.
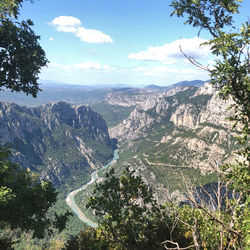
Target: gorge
{"x": 162, "y": 134}
{"x": 94, "y": 177}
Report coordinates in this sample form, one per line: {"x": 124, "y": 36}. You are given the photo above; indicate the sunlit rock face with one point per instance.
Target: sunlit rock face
{"x": 188, "y": 123}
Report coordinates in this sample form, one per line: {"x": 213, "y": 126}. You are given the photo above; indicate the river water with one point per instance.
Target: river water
{"x": 94, "y": 176}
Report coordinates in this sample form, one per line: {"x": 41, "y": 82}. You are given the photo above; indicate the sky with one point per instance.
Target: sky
{"x": 109, "y": 42}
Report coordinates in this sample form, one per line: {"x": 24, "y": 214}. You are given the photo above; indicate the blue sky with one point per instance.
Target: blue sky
{"x": 99, "y": 42}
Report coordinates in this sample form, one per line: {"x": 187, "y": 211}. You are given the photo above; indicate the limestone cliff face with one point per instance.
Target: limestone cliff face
{"x": 185, "y": 126}
{"x": 215, "y": 111}
{"x": 57, "y": 140}
{"x": 129, "y": 98}
{"x": 185, "y": 116}
{"x": 137, "y": 124}
{"x": 201, "y": 106}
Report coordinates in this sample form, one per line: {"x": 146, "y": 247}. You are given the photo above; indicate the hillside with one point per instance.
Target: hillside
{"x": 180, "y": 134}
{"x": 164, "y": 135}
{"x": 184, "y": 126}
{"x": 63, "y": 143}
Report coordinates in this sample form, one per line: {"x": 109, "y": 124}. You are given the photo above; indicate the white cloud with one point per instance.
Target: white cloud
{"x": 171, "y": 72}
{"x": 73, "y": 25}
{"x": 93, "y": 36}
{"x": 51, "y": 39}
{"x": 59, "y": 67}
{"x": 170, "y": 53}
{"x": 155, "y": 71}
{"x": 86, "y": 66}
{"x": 69, "y": 29}
{"x": 66, "y": 21}
{"x": 91, "y": 66}
{"x": 92, "y": 51}
{"x": 140, "y": 69}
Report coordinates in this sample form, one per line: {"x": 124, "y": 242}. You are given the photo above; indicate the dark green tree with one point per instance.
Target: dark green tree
{"x": 130, "y": 216}
{"x": 21, "y": 56}
{"x": 90, "y": 239}
{"x": 228, "y": 227}
{"x": 24, "y": 197}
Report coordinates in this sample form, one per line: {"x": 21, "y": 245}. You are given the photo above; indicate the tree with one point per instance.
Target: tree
{"x": 229, "y": 224}
{"x": 9, "y": 8}
{"x": 129, "y": 215}
{"x": 24, "y": 197}
{"x": 90, "y": 239}
{"x": 21, "y": 56}
{"x": 230, "y": 73}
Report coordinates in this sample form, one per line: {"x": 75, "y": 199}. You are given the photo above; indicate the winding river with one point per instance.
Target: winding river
{"x": 94, "y": 176}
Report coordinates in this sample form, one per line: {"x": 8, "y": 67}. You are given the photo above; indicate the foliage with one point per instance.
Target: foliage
{"x": 130, "y": 215}
{"x": 89, "y": 239}
{"x": 25, "y": 199}
{"x": 21, "y": 56}
{"x": 112, "y": 114}
{"x": 228, "y": 226}
{"x": 230, "y": 74}
{"x": 211, "y": 15}
{"x": 216, "y": 218}
{"x": 10, "y": 8}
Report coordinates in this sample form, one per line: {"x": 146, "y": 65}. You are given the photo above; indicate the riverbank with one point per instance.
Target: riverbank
{"x": 94, "y": 176}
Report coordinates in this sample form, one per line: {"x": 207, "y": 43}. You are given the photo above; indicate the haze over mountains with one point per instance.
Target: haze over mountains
{"x": 76, "y": 94}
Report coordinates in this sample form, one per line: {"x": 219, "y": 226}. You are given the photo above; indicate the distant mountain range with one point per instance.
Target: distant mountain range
{"x": 195, "y": 83}
{"x": 54, "y": 84}
{"x": 80, "y": 94}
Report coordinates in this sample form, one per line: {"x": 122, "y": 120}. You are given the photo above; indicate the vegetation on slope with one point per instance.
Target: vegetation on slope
{"x": 129, "y": 215}
{"x": 24, "y": 198}
{"x": 216, "y": 218}
{"x": 112, "y": 114}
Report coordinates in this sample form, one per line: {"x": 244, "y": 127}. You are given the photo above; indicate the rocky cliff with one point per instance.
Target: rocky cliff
{"x": 181, "y": 127}
{"x": 60, "y": 141}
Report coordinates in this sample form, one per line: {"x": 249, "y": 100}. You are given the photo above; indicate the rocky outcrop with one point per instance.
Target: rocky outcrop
{"x": 184, "y": 115}
{"x": 187, "y": 126}
{"x": 201, "y": 106}
{"x": 128, "y": 98}
{"x": 57, "y": 140}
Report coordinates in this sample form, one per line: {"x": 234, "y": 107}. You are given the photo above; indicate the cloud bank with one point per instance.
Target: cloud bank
{"x": 170, "y": 53}
{"x": 73, "y": 25}
{"x": 86, "y": 66}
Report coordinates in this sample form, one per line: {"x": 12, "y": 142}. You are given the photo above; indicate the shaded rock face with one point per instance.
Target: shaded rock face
{"x": 57, "y": 140}
{"x": 212, "y": 196}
